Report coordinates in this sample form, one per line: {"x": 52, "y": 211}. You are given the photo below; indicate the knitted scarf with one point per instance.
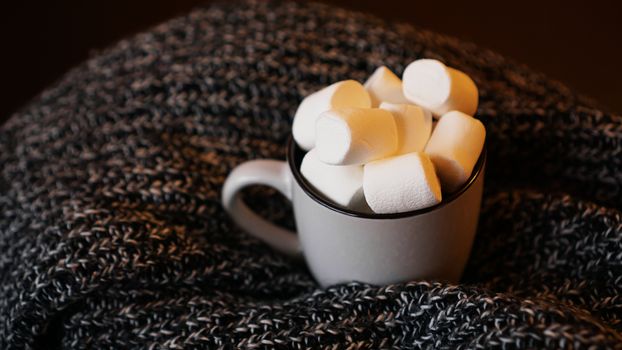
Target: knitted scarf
{"x": 112, "y": 235}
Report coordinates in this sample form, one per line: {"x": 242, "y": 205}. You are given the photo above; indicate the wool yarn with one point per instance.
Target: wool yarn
{"x": 112, "y": 235}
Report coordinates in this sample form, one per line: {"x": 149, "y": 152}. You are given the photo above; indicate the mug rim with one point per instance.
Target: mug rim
{"x": 292, "y": 147}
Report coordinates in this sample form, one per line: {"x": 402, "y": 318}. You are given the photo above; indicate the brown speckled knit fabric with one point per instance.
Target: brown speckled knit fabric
{"x": 112, "y": 235}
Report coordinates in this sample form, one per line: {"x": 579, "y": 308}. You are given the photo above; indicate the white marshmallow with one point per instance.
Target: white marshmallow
{"x": 348, "y": 136}
{"x": 341, "y": 184}
{"x": 454, "y": 147}
{"x": 414, "y": 125}
{"x": 347, "y": 93}
{"x": 432, "y": 85}
{"x": 401, "y": 183}
{"x": 384, "y": 86}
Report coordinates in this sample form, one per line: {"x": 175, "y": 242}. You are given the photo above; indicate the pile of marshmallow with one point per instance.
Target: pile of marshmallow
{"x": 376, "y": 147}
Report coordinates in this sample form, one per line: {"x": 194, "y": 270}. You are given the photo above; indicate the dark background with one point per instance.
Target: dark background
{"x": 578, "y": 43}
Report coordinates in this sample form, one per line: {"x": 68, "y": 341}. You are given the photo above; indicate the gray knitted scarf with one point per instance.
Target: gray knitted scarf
{"x": 112, "y": 235}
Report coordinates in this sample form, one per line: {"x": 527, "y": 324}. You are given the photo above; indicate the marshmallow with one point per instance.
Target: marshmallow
{"x": 341, "y": 184}
{"x": 414, "y": 125}
{"x": 347, "y": 93}
{"x": 350, "y": 136}
{"x": 432, "y": 85}
{"x": 384, "y": 86}
{"x": 454, "y": 147}
{"x": 401, "y": 183}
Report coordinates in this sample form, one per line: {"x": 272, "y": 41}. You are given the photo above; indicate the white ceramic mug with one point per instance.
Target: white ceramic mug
{"x": 340, "y": 245}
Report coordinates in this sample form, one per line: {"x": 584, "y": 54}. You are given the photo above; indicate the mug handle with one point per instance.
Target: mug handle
{"x": 267, "y": 172}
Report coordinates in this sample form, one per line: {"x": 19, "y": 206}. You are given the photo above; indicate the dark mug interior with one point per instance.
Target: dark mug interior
{"x": 295, "y": 155}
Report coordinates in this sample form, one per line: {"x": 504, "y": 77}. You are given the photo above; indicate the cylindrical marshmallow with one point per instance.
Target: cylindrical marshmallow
{"x": 454, "y": 147}
{"x": 414, "y": 125}
{"x": 340, "y": 184}
{"x": 384, "y": 86}
{"x": 401, "y": 183}
{"x": 432, "y": 85}
{"x": 347, "y": 93}
{"x": 348, "y": 136}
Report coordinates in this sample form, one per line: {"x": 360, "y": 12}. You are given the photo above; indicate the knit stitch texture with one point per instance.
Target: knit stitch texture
{"x": 112, "y": 235}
